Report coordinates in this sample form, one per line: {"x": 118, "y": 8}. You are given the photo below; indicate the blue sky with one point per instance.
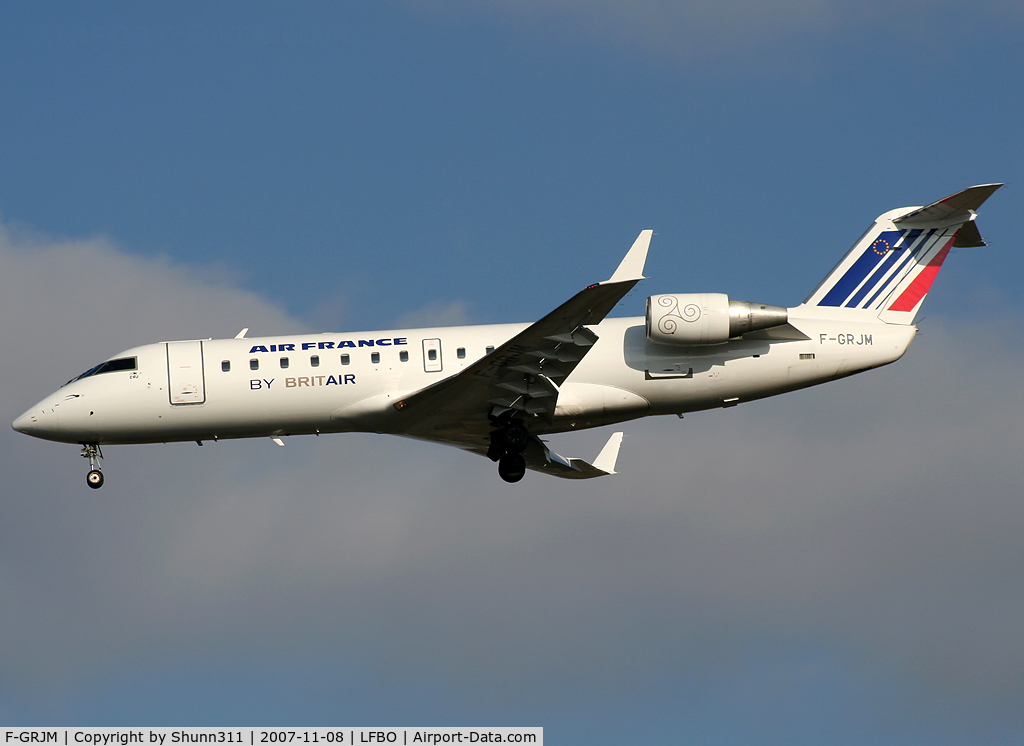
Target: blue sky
{"x": 356, "y": 159}
{"x": 184, "y": 170}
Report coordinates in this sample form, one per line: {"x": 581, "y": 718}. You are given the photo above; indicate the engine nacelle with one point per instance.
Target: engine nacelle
{"x": 706, "y": 318}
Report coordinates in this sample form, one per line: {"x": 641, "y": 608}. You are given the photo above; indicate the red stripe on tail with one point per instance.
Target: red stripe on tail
{"x": 910, "y": 297}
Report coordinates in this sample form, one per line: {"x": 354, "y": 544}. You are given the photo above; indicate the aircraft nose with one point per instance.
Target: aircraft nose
{"x": 26, "y": 423}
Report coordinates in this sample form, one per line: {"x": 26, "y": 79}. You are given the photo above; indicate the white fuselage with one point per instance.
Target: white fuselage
{"x": 240, "y": 388}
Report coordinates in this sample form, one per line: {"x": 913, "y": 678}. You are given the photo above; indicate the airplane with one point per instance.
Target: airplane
{"x": 494, "y": 390}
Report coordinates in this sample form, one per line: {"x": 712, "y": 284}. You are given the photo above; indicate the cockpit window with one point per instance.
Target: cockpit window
{"x": 110, "y": 366}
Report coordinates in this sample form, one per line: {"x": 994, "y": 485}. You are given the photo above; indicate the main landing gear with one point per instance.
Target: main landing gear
{"x": 92, "y": 452}
{"x": 507, "y": 446}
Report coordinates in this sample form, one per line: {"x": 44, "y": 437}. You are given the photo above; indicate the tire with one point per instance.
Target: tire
{"x": 94, "y": 479}
{"x": 512, "y": 467}
{"x": 514, "y": 438}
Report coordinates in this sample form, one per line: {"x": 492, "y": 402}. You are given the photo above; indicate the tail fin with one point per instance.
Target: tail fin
{"x": 891, "y": 268}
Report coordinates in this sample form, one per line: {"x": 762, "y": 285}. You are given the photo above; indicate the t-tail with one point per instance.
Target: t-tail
{"x": 891, "y": 268}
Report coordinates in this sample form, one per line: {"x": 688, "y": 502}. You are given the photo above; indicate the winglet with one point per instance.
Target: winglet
{"x": 541, "y": 458}
{"x": 631, "y": 269}
{"x": 606, "y": 459}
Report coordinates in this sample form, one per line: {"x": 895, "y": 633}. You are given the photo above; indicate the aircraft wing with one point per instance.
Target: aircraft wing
{"x": 521, "y": 377}
{"x": 541, "y": 458}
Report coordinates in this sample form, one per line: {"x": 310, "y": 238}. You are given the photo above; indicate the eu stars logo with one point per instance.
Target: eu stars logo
{"x": 881, "y": 246}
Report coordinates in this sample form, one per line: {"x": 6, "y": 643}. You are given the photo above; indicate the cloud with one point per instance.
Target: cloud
{"x": 876, "y": 519}
{"x": 435, "y": 314}
{"x": 722, "y": 29}
{"x": 67, "y": 304}
{"x": 330, "y": 311}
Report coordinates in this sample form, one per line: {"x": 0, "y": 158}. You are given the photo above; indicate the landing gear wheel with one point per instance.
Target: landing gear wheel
{"x": 512, "y": 467}
{"x": 92, "y": 452}
{"x": 514, "y": 438}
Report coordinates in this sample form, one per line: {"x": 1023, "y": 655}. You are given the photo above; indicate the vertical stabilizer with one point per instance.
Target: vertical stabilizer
{"x": 891, "y": 268}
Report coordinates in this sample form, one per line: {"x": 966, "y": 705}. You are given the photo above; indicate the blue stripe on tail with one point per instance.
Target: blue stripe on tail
{"x": 896, "y": 277}
{"x": 871, "y": 258}
{"x": 885, "y": 266}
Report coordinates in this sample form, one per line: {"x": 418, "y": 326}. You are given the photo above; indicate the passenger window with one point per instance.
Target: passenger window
{"x": 284, "y": 362}
{"x": 344, "y": 359}
{"x": 404, "y": 356}
{"x": 254, "y": 364}
{"x": 225, "y": 365}
{"x": 460, "y": 353}
{"x": 314, "y": 361}
{"x": 431, "y": 354}
{"x": 374, "y": 357}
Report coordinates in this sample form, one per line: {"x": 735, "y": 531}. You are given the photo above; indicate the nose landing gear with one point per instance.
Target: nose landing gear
{"x": 507, "y": 446}
{"x": 92, "y": 452}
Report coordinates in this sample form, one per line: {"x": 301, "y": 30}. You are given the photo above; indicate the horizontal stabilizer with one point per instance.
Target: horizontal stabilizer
{"x": 955, "y": 208}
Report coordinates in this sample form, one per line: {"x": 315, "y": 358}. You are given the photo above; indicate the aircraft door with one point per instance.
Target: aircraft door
{"x": 432, "y": 355}
{"x": 186, "y": 383}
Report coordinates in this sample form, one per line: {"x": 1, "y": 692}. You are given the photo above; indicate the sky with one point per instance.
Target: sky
{"x": 841, "y": 564}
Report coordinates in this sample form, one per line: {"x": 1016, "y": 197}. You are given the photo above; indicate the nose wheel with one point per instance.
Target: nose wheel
{"x": 92, "y": 452}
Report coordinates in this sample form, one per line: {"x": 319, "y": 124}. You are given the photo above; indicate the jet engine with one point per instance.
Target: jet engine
{"x": 706, "y": 318}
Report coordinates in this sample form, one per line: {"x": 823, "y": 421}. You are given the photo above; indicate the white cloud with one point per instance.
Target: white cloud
{"x": 721, "y": 29}
{"x": 435, "y": 314}
{"x": 876, "y": 518}
{"x": 67, "y": 304}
